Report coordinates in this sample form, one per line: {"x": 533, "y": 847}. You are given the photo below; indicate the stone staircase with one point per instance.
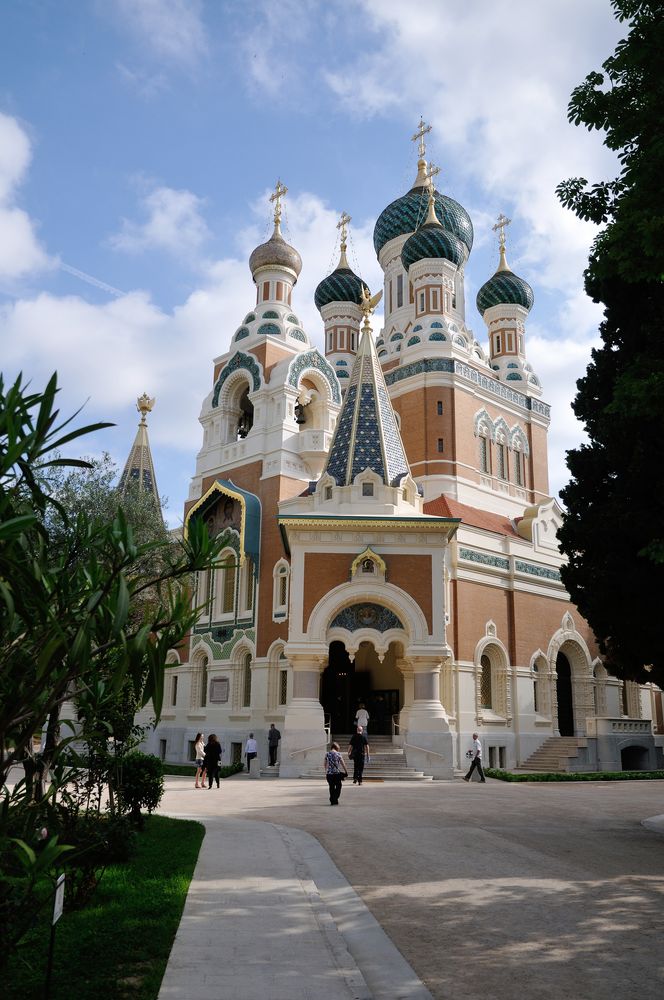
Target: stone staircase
{"x": 556, "y": 755}
{"x": 387, "y": 763}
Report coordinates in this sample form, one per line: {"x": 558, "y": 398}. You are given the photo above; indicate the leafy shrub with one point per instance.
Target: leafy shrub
{"x": 141, "y": 784}
{"x": 492, "y": 772}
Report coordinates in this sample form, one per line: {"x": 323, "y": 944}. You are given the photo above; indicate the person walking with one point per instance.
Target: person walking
{"x": 476, "y": 762}
{"x": 335, "y": 772}
{"x": 251, "y": 750}
{"x": 199, "y": 753}
{"x": 358, "y": 751}
{"x": 273, "y": 737}
{"x": 212, "y": 759}
{"x": 362, "y": 717}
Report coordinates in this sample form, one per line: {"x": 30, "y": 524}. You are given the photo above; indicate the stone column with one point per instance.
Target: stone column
{"x": 424, "y": 727}
{"x": 303, "y": 739}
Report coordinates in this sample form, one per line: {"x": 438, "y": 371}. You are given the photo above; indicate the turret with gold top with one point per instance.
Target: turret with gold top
{"x": 504, "y": 302}
{"x": 138, "y": 472}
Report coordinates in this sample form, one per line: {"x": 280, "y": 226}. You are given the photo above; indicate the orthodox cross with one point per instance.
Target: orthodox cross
{"x": 501, "y": 222}
{"x": 342, "y": 224}
{"x": 279, "y": 192}
{"x": 422, "y": 130}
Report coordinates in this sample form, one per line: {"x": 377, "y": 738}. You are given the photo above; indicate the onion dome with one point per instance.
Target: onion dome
{"x": 504, "y": 288}
{"x": 276, "y": 253}
{"x": 406, "y": 213}
{"x": 343, "y": 285}
{"x": 431, "y": 240}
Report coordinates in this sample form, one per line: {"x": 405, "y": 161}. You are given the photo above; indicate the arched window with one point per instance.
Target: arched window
{"x": 624, "y": 701}
{"x": 485, "y": 452}
{"x": 247, "y": 585}
{"x": 226, "y": 577}
{"x": 501, "y": 458}
{"x": 246, "y": 680}
{"x": 486, "y": 692}
{"x": 536, "y": 700}
{"x": 199, "y": 683}
{"x": 280, "y": 591}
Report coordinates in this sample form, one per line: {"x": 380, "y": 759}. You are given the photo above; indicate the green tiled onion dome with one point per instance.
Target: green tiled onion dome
{"x": 408, "y": 212}
{"x": 343, "y": 285}
{"x": 505, "y": 288}
{"x": 431, "y": 240}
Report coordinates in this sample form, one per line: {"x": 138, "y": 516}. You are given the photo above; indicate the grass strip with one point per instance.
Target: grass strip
{"x": 118, "y": 946}
{"x": 493, "y": 772}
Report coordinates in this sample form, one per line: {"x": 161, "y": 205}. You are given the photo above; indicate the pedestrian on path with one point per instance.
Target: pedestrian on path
{"x": 251, "y": 750}
{"x": 362, "y": 717}
{"x": 358, "y": 751}
{"x": 476, "y": 761}
{"x": 335, "y": 772}
{"x": 199, "y": 752}
{"x": 273, "y": 737}
{"x": 212, "y": 759}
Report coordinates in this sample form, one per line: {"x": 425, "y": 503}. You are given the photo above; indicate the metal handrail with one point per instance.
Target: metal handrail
{"x": 322, "y": 746}
{"x": 395, "y": 724}
{"x": 423, "y": 750}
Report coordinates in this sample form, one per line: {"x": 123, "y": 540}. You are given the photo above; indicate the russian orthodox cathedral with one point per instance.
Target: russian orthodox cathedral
{"x": 389, "y": 535}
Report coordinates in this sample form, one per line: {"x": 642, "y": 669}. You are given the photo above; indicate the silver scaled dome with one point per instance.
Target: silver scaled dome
{"x": 276, "y": 253}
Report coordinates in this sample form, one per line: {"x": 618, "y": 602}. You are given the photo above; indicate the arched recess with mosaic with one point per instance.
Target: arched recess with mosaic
{"x": 313, "y": 363}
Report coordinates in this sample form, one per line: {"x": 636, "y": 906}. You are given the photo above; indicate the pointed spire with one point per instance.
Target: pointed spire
{"x": 367, "y": 434}
{"x": 139, "y": 467}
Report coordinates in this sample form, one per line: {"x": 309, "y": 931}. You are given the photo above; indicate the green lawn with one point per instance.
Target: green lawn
{"x": 118, "y": 946}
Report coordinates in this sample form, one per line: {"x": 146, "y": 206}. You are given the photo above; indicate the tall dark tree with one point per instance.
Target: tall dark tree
{"x": 613, "y": 535}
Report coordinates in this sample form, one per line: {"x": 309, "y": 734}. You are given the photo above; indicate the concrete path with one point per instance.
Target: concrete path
{"x": 493, "y": 892}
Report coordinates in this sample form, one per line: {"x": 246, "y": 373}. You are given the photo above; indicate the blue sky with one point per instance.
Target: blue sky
{"x": 139, "y": 140}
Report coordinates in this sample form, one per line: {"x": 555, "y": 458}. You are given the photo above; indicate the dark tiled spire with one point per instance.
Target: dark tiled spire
{"x": 139, "y": 467}
{"x": 367, "y": 434}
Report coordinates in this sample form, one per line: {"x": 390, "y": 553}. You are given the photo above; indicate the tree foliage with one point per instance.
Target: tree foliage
{"x": 84, "y": 606}
{"x": 613, "y": 535}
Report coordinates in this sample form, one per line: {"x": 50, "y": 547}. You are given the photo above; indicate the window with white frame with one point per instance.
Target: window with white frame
{"x": 421, "y": 301}
{"x": 435, "y": 300}
{"x": 399, "y": 290}
{"x": 247, "y": 585}
{"x": 341, "y": 339}
{"x": 283, "y": 687}
{"x": 353, "y": 340}
{"x": 199, "y": 680}
{"x": 536, "y": 697}
{"x": 281, "y": 579}
{"x": 330, "y": 340}
{"x": 501, "y": 460}
{"x": 517, "y": 462}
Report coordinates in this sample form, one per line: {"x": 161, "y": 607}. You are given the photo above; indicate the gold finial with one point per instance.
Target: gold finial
{"x": 144, "y": 405}
{"x": 501, "y": 223}
{"x": 342, "y": 224}
{"x": 422, "y": 130}
{"x": 279, "y": 192}
{"x": 431, "y": 213}
{"x": 367, "y": 305}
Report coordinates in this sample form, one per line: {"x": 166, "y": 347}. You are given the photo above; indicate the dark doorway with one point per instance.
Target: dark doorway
{"x": 634, "y": 759}
{"x": 338, "y": 696}
{"x": 382, "y": 706}
{"x": 564, "y": 692}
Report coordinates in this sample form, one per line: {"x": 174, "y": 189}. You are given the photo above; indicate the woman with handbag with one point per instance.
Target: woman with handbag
{"x": 335, "y": 772}
{"x": 199, "y": 751}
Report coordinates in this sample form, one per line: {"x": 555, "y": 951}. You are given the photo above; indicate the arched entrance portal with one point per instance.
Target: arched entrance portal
{"x": 564, "y": 693}
{"x": 346, "y": 683}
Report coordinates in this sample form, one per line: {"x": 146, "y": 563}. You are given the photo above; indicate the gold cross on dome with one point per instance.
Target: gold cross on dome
{"x": 422, "y": 130}
{"x": 431, "y": 173}
{"x": 342, "y": 224}
{"x": 279, "y": 192}
{"x": 501, "y": 223}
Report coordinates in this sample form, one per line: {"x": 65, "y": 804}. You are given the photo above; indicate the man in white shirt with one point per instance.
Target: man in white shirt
{"x": 362, "y": 718}
{"x": 251, "y": 750}
{"x": 476, "y": 761}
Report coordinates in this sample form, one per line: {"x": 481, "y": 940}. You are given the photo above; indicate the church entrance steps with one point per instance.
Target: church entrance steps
{"x": 557, "y": 755}
{"x": 387, "y": 763}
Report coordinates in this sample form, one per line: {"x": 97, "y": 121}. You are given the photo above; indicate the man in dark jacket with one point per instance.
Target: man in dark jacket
{"x": 273, "y": 737}
{"x": 358, "y": 751}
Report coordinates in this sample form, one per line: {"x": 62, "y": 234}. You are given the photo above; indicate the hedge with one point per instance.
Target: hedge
{"x": 493, "y": 772}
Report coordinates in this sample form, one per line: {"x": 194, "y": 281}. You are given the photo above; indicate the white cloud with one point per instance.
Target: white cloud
{"x": 174, "y": 223}
{"x": 172, "y": 29}
{"x": 497, "y": 99}
{"x": 20, "y": 250}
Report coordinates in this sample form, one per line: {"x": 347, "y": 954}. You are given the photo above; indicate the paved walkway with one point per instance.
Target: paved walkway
{"x": 488, "y": 893}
